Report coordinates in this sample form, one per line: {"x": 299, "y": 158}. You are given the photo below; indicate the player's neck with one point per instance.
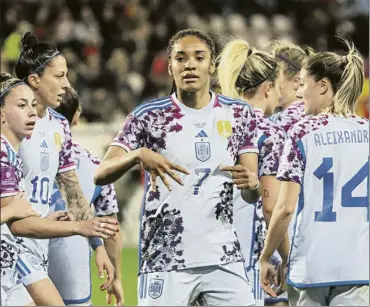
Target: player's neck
{"x": 41, "y": 110}
{"x": 11, "y": 137}
{"x": 288, "y": 104}
{"x": 194, "y": 100}
{"x": 256, "y": 103}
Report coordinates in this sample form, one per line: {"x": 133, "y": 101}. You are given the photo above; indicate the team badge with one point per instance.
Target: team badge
{"x": 224, "y": 128}
{"x": 58, "y": 140}
{"x": 203, "y": 151}
{"x": 155, "y": 288}
{"x": 44, "y": 161}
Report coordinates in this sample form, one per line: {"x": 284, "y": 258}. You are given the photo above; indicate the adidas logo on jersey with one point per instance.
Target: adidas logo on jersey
{"x": 201, "y": 134}
{"x": 44, "y": 145}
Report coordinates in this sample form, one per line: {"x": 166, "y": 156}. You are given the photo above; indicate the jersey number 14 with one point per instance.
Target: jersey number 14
{"x": 322, "y": 173}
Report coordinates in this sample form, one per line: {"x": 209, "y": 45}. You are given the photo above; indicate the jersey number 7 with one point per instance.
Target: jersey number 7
{"x": 322, "y": 173}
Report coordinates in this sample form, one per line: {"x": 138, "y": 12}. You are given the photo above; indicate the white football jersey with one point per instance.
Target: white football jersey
{"x": 249, "y": 220}
{"x": 329, "y": 157}
{"x": 45, "y": 154}
{"x": 192, "y": 225}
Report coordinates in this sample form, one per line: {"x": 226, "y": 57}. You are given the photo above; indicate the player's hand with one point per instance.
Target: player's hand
{"x": 158, "y": 166}
{"x": 115, "y": 289}
{"x": 281, "y": 271}
{"x": 103, "y": 227}
{"x": 242, "y": 176}
{"x": 57, "y": 216}
{"x": 268, "y": 277}
{"x": 103, "y": 264}
{"x": 21, "y": 207}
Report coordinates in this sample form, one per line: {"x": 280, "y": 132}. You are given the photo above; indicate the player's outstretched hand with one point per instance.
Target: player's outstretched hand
{"x": 158, "y": 166}
{"x": 21, "y": 207}
{"x": 103, "y": 227}
{"x": 115, "y": 289}
{"x": 104, "y": 264}
{"x": 268, "y": 277}
{"x": 242, "y": 176}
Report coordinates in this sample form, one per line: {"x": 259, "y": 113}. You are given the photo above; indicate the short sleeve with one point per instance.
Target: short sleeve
{"x": 9, "y": 184}
{"x": 269, "y": 155}
{"x": 131, "y": 136}
{"x": 292, "y": 161}
{"x": 66, "y": 155}
{"x": 106, "y": 202}
{"x": 249, "y": 138}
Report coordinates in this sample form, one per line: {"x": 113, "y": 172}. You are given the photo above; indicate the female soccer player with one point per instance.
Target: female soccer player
{"x": 254, "y": 76}
{"x": 69, "y": 258}
{"x": 328, "y": 264}
{"x": 291, "y": 58}
{"x": 47, "y": 155}
{"x": 18, "y": 117}
{"x": 188, "y": 245}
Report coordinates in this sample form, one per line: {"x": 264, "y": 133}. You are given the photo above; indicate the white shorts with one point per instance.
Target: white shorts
{"x": 32, "y": 264}
{"x": 330, "y": 296}
{"x": 219, "y": 285}
{"x": 16, "y": 296}
{"x": 69, "y": 268}
{"x": 254, "y": 278}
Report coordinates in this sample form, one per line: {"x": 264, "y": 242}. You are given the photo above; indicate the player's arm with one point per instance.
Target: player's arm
{"x": 71, "y": 191}
{"x": 280, "y": 220}
{"x": 40, "y": 228}
{"x": 17, "y": 209}
{"x": 116, "y": 162}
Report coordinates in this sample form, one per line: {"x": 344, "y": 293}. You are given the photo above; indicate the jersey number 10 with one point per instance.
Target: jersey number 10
{"x": 322, "y": 172}
{"x": 40, "y": 190}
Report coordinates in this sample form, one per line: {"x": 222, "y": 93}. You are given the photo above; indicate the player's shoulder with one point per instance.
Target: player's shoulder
{"x": 8, "y": 154}
{"x": 271, "y": 132}
{"x": 225, "y": 101}
{"x": 307, "y": 125}
{"x": 82, "y": 152}
{"x": 358, "y": 120}
{"x": 152, "y": 106}
{"x": 57, "y": 117}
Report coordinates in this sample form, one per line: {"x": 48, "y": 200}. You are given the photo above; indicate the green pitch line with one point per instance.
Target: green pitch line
{"x": 129, "y": 279}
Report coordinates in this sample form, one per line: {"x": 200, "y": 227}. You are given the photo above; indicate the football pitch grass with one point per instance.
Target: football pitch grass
{"x": 129, "y": 264}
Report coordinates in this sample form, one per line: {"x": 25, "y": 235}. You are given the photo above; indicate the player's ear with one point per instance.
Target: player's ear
{"x": 212, "y": 67}
{"x": 170, "y": 69}
{"x": 33, "y": 80}
{"x": 324, "y": 84}
{"x": 266, "y": 87}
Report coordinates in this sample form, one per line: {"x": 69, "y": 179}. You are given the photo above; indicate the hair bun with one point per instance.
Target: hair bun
{"x": 28, "y": 41}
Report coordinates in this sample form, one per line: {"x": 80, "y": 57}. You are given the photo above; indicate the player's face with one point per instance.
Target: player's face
{"x": 274, "y": 95}
{"x": 19, "y": 111}
{"x": 288, "y": 90}
{"x": 191, "y": 64}
{"x": 53, "y": 82}
{"x": 309, "y": 92}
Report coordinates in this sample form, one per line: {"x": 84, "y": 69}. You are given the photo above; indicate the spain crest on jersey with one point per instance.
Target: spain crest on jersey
{"x": 44, "y": 161}
{"x": 155, "y": 288}
{"x": 58, "y": 140}
{"x": 224, "y": 128}
{"x": 202, "y": 151}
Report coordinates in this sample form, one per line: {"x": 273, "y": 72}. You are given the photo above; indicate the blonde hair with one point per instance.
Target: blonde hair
{"x": 345, "y": 73}
{"x": 290, "y": 56}
{"x": 7, "y": 81}
{"x": 241, "y": 69}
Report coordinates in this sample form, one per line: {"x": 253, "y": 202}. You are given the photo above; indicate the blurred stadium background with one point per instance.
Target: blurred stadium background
{"x": 116, "y": 53}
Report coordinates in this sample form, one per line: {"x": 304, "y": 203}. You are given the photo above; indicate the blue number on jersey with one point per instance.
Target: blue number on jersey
{"x": 41, "y": 188}
{"x": 322, "y": 173}
{"x": 206, "y": 172}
